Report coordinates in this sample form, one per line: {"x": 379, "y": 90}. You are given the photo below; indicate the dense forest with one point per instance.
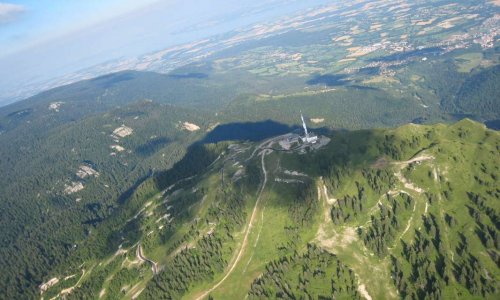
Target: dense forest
{"x": 479, "y": 94}
{"x": 316, "y": 274}
{"x": 58, "y": 223}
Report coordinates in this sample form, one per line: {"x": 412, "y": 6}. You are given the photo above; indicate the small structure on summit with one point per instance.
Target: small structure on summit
{"x": 307, "y": 138}
{"x": 301, "y": 143}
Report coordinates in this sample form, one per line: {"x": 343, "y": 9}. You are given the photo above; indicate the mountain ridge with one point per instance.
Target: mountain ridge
{"x": 342, "y": 187}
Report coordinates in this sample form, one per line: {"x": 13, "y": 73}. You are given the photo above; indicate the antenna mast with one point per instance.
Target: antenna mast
{"x": 304, "y": 125}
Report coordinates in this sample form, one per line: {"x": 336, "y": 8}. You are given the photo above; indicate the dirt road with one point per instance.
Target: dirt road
{"x": 247, "y": 232}
{"x": 140, "y": 256}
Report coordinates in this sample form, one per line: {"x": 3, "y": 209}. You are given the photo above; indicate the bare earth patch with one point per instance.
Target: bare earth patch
{"x": 375, "y": 27}
{"x": 348, "y": 236}
{"x": 363, "y": 292}
{"x": 73, "y": 188}
{"x": 342, "y": 38}
{"x": 423, "y": 23}
{"x": 45, "y": 286}
{"x": 85, "y": 171}
{"x": 118, "y": 148}
{"x": 329, "y": 238}
{"x": 54, "y": 106}
{"x": 339, "y": 241}
{"x": 190, "y": 126}
{"x": 317, "y": 120}
{"x": 347, "y": 60}
{"x": 123, "y": 131}
{"x": 355, "y": 30}
{"x": 407, "y": 184}
{"x": 135, "y": 291}
{"x": 446, "y": 24}
{"x": 359, "y": 51}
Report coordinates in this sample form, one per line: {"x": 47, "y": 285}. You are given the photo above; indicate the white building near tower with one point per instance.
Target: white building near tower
{"x": 307, "y": 139}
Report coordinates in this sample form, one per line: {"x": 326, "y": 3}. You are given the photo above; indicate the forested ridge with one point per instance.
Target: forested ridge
{"x": 413, "y": 203}
{"x": 43, "y": 224}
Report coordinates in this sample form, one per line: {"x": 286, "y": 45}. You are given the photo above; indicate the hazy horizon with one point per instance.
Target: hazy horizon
{"x": 45, "y": 39}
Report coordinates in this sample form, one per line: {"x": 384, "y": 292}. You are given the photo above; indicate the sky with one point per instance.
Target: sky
{"x": 25, "y": 23}
{"x": 43, "y": 39}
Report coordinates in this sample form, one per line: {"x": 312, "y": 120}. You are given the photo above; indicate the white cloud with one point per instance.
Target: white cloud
{"x": 8, "y": 12}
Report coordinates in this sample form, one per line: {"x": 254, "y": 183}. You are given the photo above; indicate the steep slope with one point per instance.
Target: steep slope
{"x": 479, "y": 94}
{"x": 58, "y": 186}
{"x": 376, "y": 214}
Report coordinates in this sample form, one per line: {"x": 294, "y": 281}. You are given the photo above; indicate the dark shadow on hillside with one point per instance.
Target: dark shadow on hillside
{"x": 152, "y": 146}
{"x": 130, "y": 113}
{"x": 369, "y": 71}
{"x": 205, "y": 151}
{"x": 127, "y": 236}
{"x": 107, "y": 81}
{"x": 196, "y": 159}
{"x": 493, "y": 124}
{"x": 130, "y": 191}
{"x": 347, "y": 150}
{"x": 188, "y": 76}
{"x": 20, "y": 113}
{"x": 363, "y": 88}
{"x": 329, "y": 80}
{"x": 459, "y": 116}
{"x": 249, "y": 131}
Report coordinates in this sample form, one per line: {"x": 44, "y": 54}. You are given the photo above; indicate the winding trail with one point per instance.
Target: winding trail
{"x": 140, "y": 255}
{"x": 418, "y": 158}
{"x": 247, "y": 232}
{"x": 67, "y": 291}
{"x": 362, "y": 290}
{"x": 410, "y": 186}
{"x": 408, "y": 224}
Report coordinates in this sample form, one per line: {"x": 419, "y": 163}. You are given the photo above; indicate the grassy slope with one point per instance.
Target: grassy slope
{"x": 457, "y": 159}
{"x": 458, "y": 153}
